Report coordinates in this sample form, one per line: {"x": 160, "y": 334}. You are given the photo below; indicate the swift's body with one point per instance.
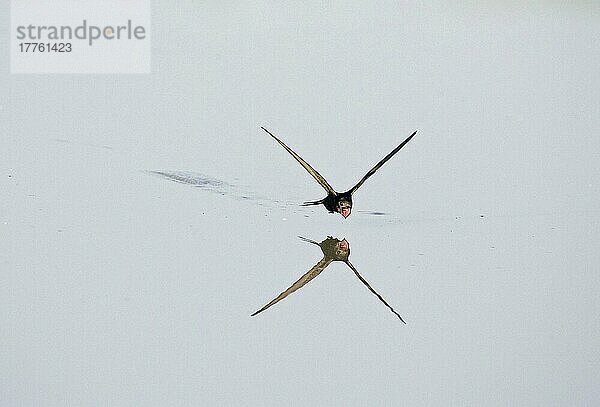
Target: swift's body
{"x": 340, "y": 202}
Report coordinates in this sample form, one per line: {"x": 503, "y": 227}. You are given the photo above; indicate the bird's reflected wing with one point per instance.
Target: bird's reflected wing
{"x": 372, "y": 290}
{"x": 315, "y": 174}
{"x": 310, "y": 274}
{"x": 380, "y": 163}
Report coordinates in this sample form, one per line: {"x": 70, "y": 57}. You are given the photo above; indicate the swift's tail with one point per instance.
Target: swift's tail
{"x": 309, "y": 203}
{"x": 309, "y": 240}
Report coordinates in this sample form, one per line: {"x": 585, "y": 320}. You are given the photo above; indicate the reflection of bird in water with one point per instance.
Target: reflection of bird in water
{"x": 333, "y": 250}
{"x": 340, "y": 202}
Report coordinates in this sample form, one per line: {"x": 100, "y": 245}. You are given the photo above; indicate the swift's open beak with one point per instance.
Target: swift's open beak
{"x": 344, "y": 245}
{"x": 345, "y": 212}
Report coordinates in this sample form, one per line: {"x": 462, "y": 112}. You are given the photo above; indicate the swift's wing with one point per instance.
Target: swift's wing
{"x": 372, "y": 290}
{"x": 315, "y": 174}
{"x": 310, "y": 274}
{"x": 380, "y": 163}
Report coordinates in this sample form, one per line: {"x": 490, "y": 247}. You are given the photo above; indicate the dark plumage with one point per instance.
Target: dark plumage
{"x": 340, "y": 202}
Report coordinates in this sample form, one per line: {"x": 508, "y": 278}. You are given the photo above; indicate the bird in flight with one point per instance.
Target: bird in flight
{"x": 340, "y": 202}
{"x": 333, "y": 250}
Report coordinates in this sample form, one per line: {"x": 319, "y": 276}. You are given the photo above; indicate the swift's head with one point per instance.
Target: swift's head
{"x": 342, "y": 250}
{"x": 335, "y": 249}
{"x": 344, "y": 206}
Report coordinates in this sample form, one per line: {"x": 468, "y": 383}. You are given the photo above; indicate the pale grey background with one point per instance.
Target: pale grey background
{"x": 122, "y": 289}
